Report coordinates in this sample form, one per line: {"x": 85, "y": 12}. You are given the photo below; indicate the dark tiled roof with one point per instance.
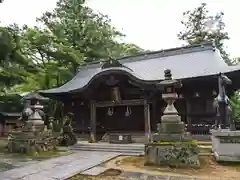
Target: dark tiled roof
{"x": 184, "y": 62}
{"x": 33, "y": 95}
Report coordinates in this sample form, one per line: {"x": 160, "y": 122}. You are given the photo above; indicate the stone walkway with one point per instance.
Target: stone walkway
{"x": 59, "y": 168}
{"x": 144, "y": 176}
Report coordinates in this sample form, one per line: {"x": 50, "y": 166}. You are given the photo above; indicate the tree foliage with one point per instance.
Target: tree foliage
{"x": 201, "y": 27}
{"x": 47, "y": 56}
{"x": 14, "y": 65}
{"x": 235, "y": 105}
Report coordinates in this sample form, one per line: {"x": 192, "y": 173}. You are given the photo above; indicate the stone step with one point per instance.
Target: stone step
{"x": 122, "y": 148}
{"x": 108, "y": 148}
{"x": 206, "y": 154}
{"x": 99, "y": 144}
{"x": 123, "y": 152}
{"x": 111, "y": 146}
{"x": 205, "y": 143}
{"x": 112, "y": 149}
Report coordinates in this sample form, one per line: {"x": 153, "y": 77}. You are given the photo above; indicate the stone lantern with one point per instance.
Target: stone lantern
{"x": 34, "y": 137}
{"x": 171, "y": 142}
{"x": 35, "y": 120}
{"x": 171, "y": 127}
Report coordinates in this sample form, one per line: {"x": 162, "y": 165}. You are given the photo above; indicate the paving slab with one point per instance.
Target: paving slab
{"x": 59, "y": 168}
{"x": 78, "y": 166}
{"x": 129, "y": 174}
{"x": 157, "y": 178}
{"x": 143, "y": 176}
{"x": 95, "y": 171}
{"x": 181, "y": 178}
{"x": 35, "y": 177}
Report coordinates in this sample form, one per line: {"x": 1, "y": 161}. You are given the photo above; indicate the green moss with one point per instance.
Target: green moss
{"x": 192, "y": 142}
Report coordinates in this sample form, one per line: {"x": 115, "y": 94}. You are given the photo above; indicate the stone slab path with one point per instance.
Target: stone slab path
{"x": 59, "y": 168}
{"x": 143, "y": 176}
{"x": 94, "y": 171}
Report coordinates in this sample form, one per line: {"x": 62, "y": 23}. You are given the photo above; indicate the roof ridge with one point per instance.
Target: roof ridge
{"x": 197, "y": 47}
{"x": 208, "y": 45}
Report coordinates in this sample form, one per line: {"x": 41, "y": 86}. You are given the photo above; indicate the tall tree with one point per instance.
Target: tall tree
{"x": 14, "y": 65}
{"x": 77, "y": 27}
{"x": 70, "y": 36}
{"x": 200, "y": 27}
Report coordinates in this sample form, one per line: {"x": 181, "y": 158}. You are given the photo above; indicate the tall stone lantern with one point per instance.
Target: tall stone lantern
{"x": 33, "y": 137}
{"x": 170, "y": 142}
{"x": 171, "y": 127}
{"x": 35, "y": 120}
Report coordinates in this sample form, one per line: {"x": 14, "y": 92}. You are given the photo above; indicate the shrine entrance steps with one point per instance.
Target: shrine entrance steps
{"x": 134, "y": 149}
{"x": 139, "y": 137}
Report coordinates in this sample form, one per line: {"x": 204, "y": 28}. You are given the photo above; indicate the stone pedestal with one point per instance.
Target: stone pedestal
{"x": 34, "y": 137}
{"x": 226, "y": 145}
{"x": 178, "y": 154}
{"x": 171, "y": 145}
{"x": 170, "y": 129}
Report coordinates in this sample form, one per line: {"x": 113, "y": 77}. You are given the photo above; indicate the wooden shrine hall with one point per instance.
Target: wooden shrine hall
{"x": 121, "y": 95}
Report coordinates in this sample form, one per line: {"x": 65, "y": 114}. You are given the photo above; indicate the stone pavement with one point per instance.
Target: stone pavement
{"x": 59, "y": 168}
{"x": 144, "y": 176}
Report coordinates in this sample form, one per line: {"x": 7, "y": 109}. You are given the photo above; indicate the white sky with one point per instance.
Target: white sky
{"x": 151, "y": 24}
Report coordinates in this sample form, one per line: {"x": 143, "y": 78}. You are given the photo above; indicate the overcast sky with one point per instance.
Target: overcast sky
{"x": 151, "y": 24}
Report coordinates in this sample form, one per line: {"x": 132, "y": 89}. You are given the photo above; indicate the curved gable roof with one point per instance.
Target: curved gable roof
{"x": 185, "y": 62}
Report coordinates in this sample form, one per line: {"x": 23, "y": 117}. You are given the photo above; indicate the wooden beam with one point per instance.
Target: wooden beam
{"x": 93, "y": 119}
{"x": 189, "y": 121}
{"x": 154, "y": 114}
{"x": 147, "y": 121}
{"x": 134, "y": 102}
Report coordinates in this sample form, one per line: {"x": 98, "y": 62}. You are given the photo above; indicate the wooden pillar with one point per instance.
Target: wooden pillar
{"x": 154, "y": 116}
{"x": 147, "y": 121}
{"x": 93, "y": 118}
{"x": 1, "y": 129}
{"x": 189, "y": 121}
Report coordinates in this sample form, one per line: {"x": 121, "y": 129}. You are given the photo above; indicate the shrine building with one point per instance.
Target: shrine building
{"x": 121, "y": 95}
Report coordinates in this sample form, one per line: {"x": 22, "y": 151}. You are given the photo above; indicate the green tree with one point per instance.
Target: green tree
{"x": 14, "y": 65}
{"x": 197, "y": 29}
{"x": 235, "y": 105}
{"x": 77, "y": 28}
{"x": 70, "y": 36}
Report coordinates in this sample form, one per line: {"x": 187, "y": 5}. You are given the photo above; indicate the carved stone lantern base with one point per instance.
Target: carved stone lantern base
{"x": 33, "y": 126}
{"x": 171, "y": 124}
{"x": 171, "y": 128}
